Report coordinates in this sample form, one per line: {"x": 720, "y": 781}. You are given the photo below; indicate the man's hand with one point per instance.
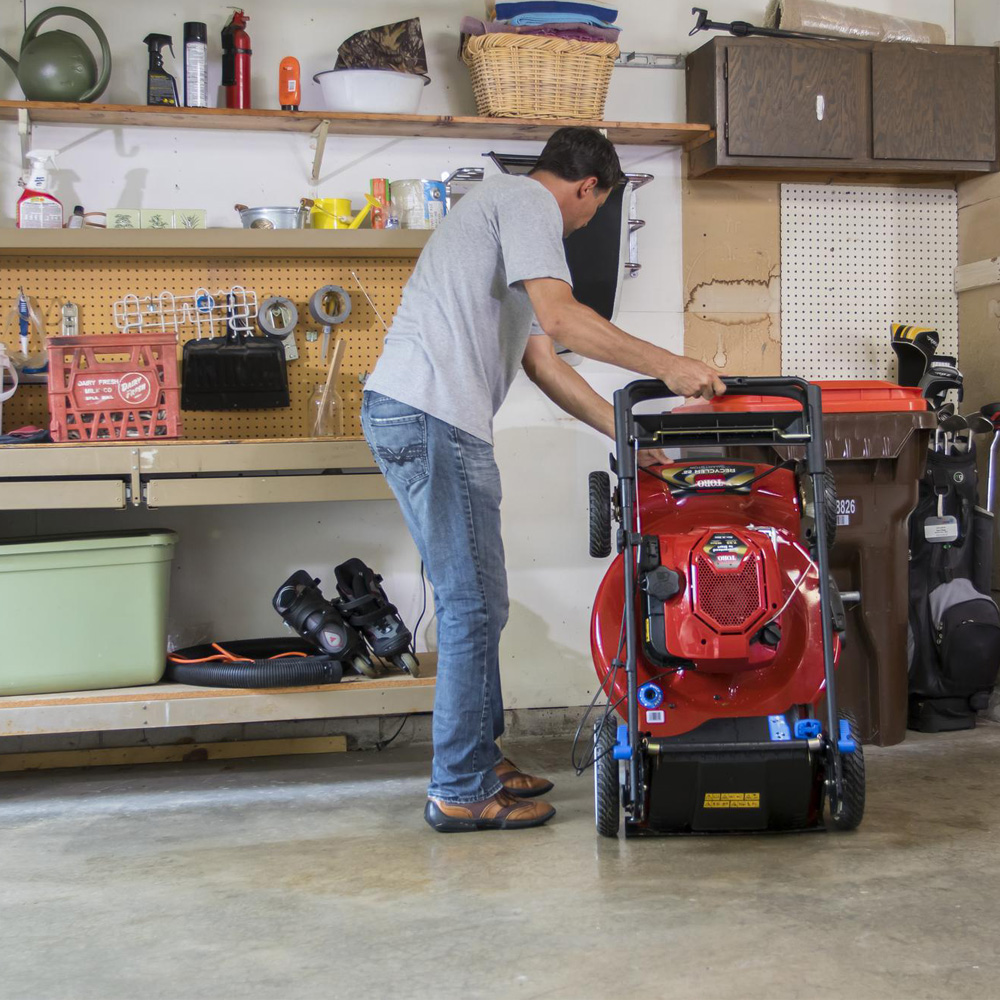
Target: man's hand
{"x": 653, "y": 456}
{"x": 691, "y": 378}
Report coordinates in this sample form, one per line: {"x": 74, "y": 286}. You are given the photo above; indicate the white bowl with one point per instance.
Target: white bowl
{"x": 371, "y": 91}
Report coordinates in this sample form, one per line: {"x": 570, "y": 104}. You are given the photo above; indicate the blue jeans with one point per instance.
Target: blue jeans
{"x": 448, "y": 487}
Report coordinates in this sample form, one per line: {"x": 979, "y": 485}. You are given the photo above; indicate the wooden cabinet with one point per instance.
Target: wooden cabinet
{"x": 844, "y": 105}
{"x": 796, "y": 99}
{"x": 934, "y": 103}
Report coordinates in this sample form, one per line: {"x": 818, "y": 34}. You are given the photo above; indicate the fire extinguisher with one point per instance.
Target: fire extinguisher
{"x": 236, "y": 54}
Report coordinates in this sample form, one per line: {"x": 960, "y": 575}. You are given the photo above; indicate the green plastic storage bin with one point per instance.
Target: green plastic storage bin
{"x": 84, "y": 611}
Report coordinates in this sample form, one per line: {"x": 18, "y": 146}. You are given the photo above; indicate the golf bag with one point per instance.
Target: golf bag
{"x": 954, "y": 635}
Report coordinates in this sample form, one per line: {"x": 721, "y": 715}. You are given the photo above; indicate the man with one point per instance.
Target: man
{"x": 461, "y": 332}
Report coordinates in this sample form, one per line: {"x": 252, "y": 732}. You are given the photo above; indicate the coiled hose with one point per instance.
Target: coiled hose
{"x": 253, "y": 663}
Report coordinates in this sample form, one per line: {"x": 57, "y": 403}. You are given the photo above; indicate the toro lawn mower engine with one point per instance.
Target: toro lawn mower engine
{"x": 716, "y": 629}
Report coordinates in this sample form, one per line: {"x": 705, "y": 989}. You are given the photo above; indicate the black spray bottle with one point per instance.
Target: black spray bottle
{"x": 161, "y": 87}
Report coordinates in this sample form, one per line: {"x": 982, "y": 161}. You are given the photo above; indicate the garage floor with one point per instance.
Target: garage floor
{"x": 316, "y": 877}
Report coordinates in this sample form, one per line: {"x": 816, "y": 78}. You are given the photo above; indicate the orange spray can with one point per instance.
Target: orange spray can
{"x": 289, "y": 84}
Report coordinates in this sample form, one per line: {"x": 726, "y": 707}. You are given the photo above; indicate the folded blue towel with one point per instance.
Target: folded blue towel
{"x": 558, "y": 18}
{"x": 510, "y": 9}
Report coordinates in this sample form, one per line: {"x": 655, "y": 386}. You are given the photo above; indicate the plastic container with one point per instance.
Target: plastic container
{"x": 418, "y": 204}
{"x": 328, "y": 420}
{"x": 876, "y": 445}
{"x": 84, "y": 612}
{"x": 114, "y": 387}
{"x": 370, "y": 91}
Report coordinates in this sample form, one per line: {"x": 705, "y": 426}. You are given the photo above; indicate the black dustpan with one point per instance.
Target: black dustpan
{"x": 235, "y": 372}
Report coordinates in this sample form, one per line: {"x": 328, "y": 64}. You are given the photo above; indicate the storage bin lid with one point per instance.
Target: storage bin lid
{"x": 842, "y": 396}
{"x": 88, "y": 542}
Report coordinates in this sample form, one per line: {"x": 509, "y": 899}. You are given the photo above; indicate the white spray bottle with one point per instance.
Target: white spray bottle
{"x": 36, "y": 208}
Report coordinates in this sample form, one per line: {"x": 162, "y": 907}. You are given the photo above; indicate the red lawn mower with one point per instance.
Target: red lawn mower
{"x": 716, "y": 630}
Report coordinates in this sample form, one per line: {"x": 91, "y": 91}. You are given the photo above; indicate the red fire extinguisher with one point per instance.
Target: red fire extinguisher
{"x": 236, "y": 54}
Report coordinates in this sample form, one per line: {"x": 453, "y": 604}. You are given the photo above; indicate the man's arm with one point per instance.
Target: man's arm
{"x": 579, "y": 328}
{"x": 571, "y": 392}
{"x": 564, "y": 385}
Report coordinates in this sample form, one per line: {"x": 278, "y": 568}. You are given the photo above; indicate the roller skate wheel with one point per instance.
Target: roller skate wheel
{"x": 409, "y": 663}
{"x": 366, "y": 667}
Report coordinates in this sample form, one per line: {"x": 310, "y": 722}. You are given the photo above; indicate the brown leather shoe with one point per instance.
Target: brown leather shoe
{"x": 515, "y": 781}
{"x": 499, "y": 812}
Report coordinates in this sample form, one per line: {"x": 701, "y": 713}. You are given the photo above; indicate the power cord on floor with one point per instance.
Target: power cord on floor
{"x": 380, "y": 745}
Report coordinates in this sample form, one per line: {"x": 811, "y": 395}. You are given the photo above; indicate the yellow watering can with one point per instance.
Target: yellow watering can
{"x": 335, "y": 213}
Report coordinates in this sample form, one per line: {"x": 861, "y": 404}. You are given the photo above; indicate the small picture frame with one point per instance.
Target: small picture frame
{"x": 123, "y": 218}
{"x": 189, "y": 218}
{"x": 157, "y": 218}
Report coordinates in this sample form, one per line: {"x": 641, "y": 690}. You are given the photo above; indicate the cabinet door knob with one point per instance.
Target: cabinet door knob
{"x": 820, "y": 107}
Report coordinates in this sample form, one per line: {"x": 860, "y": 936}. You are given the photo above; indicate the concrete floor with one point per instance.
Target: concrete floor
{"x": 316, "y": 877}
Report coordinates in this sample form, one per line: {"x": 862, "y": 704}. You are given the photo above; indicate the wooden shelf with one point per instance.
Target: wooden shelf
{"x": 423, "y": 126}
{"x": 116, "y": 475}
{"x": 213, "y": 242}
{"x": 159, "y": 705}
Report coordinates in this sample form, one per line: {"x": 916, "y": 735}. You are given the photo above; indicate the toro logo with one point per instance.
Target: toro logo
{"x": 725, "y": 550}
{"x": 135, "y": 388}
{"x": 691, "y": 478}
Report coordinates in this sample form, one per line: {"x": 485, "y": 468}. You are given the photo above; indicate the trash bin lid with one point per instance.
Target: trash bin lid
{"x": 842, "y": 396}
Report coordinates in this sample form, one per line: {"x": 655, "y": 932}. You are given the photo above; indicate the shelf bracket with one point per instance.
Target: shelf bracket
{"x": 320, "y": 134}
{"x": 650, "y": 60}
{"x": 24, "y": 131}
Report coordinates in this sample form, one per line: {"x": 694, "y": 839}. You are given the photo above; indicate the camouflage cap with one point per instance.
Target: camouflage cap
{"x": 398, "y": 46}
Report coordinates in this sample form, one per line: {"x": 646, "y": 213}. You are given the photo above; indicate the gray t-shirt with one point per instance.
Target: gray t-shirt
{"x": 463, "y": 324}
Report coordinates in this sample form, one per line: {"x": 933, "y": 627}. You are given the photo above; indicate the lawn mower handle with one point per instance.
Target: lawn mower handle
{"x": 806, "y": 394}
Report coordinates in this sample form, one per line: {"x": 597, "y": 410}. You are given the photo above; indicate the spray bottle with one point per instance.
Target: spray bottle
{"x": 36, "y": 208}
{"x": 26, "y": 318}
{"x": 161, "y": 87}
{"x": 236, "y": 54}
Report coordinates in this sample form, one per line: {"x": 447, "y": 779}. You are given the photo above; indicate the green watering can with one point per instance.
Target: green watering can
{"x": 57, "y": 65}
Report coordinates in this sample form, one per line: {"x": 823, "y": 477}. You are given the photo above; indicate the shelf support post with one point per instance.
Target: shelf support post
{"x": 320, "y": 135}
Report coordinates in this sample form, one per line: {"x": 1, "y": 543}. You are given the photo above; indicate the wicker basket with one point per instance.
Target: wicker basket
{"x": 535, "y": 76}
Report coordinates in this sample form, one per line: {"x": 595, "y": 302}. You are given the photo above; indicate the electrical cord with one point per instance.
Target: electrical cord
{"x": 224, "y": 656}
{"x": 616, "y": 664}
{"x": 423, "y": 609}
{"x": 382, "y": 744}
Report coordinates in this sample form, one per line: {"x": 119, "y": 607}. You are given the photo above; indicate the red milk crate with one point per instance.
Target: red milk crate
{"x": 114, "y": 387}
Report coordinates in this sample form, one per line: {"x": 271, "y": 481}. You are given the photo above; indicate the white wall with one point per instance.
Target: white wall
{"x": 231, "y": 559}
{"x": 977, "y": 22}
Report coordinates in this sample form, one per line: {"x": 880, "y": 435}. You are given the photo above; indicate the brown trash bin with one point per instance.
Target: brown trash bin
{"x": 877, "y": 434}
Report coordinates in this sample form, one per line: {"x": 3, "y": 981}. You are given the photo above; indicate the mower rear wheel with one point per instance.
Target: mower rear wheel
{"x": 600, "y": 515}
{"x": 852, "y": 808}
{"x": 809, "y": 506}
{"x": 607, "y": 794}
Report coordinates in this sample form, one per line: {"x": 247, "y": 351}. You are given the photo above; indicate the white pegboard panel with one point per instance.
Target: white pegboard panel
{"x": 856, "y": 259}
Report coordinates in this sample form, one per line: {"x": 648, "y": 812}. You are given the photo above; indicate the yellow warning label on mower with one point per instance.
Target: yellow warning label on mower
{"x": 732, "y": 800}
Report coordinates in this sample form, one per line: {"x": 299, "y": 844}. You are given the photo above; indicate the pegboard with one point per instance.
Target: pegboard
{"x": 95, "y": 283}
{"x": 855, "y": 260}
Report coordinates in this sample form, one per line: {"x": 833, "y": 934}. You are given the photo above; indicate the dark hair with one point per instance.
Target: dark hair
{"x": 576, "y": 152}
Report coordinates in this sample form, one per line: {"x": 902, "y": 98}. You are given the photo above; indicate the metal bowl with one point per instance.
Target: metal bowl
{"x": 273, "y": 217}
